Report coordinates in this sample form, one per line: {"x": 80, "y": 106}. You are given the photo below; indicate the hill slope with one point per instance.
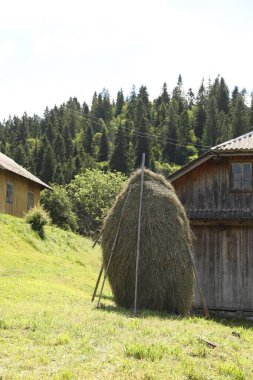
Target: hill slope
{"x": 50, "y": 329}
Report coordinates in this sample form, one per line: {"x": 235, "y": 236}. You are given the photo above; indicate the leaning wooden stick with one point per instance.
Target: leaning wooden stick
{"x": 97, "y": 283}
{"x": 198, "y": 284}
{"x": 139, "y": 235}
{"x": 97, "y": 239}
{"x": 113, "y": 247}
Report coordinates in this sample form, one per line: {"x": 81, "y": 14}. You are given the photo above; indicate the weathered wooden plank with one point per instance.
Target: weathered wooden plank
{"x": 210, "y": 264}
{"x": 217, "y": 267}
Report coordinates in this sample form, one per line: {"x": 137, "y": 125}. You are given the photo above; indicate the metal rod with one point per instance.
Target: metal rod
{"x": 97, "y": 283}
{"x": 198, "y": 284}
{"x": 139, "y": 235}
{"x": 113, "y": 247}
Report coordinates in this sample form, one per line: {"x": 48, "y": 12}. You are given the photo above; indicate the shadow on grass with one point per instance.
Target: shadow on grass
{"x": 228, "y": 321}
{"x": 140, "y": 313}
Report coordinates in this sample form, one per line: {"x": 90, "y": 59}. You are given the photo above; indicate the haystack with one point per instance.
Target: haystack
{"x": 165, "y": 275}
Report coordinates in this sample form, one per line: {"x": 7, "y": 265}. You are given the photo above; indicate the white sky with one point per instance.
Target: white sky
{"x": 53, "y": 49}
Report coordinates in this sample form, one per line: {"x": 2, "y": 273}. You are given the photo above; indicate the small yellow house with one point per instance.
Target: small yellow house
{"x": 19, "y": 189}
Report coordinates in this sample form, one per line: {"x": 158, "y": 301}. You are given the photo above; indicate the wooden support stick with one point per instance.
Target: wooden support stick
{"x": 97, "y": 239}
{"x": 139, "y": 235}
{"x": 198, "y": 284}
{"x": 97, "y": 283}
{"x": 113, "y": 247}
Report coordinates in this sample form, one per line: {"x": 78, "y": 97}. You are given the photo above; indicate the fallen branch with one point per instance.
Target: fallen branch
{"x": 207, "y": 342}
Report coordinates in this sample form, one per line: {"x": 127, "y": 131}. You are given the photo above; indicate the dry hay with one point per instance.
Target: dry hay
{"x": 165, "y": 277}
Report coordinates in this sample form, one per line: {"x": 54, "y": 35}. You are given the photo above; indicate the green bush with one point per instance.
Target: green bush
{"x": 37, "y": 217}
{"x": 92, "y": 194}
{"x": 59, "y": 205}
{"x": 165, "y": 168}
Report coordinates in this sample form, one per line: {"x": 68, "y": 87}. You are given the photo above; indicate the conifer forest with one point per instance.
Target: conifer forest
{"x": 111, "y": 135}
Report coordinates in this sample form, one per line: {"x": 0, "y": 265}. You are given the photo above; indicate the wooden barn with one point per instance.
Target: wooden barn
{"x": 19, "y": 189}
{"x": 216, "y": 190}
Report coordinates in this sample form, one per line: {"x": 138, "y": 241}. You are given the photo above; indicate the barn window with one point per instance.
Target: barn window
{"x": 241, "y": 176}
{"x": 9, "y": 193}
{"x": 30, "y": 200}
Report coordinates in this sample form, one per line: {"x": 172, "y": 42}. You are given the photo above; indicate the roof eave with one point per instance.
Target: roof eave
{"x": 205, "y": 157}
{"x": 189, "y": 167}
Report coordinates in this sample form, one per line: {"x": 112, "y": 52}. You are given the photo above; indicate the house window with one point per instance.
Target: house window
{"x": 241, "y": 176}
{"x": 30, "y": 200}
{"x": 9, "y": 193}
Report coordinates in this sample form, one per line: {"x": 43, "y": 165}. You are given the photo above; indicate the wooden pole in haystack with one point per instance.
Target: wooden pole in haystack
{"x": 113, "y": 247}
{"x": 198, "y": 284}
{"x": 139, "y": 235}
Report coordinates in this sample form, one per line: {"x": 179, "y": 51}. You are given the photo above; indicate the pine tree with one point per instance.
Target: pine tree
{"x": 144, "y": 97}
{"x": 119, "y": 159}
{"x": 240, "y": 117}
{"x": 186, "y": 139}
{"x": 104, "y": 147}
{"x": 190, "y": 98}
{"x": 143, "y": 143}
{"x": 58, "y": 176}
{"x": 68, "y": 141}
{"x": 224, "y": 128}
{"x": 165, "y": 98}
{"x": 48, "y": 165}
{"x": 200, "y": 112}
{"x": 210, "y": 133}
{"x": 88, "y": 140}
{"x": 169, "y": 150}
{"x": 59, "y": 147}
{"x": 131, "y": 104}
{"x": 223, "y": 97}
{"x": 38, "y": 158}
{"x": 20, "y": 156}
{"x": 178, "y": 95}
{"x": 119, "y": 103}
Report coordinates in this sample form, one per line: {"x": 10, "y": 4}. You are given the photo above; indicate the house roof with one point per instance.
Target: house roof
{"x": 6, "y": 163}
{"x": 239, "y": 145}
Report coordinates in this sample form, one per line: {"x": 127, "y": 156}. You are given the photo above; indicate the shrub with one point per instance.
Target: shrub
{"x": 37, "y": 217}
{"x": 92, "y": 194}
{"x": 165, "y": 168}
{"x": 59, "y": 205}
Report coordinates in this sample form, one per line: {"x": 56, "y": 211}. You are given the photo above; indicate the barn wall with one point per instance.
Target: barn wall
{"x": 21, "y": 186}
{"x": 224, "y": 260}
{"x": 207, "y": 187}
{"x": 2, "y": 191}
{"x": 223, "y": 249}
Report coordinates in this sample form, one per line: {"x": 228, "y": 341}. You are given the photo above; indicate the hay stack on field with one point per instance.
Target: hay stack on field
{"x": 165, "y": 276}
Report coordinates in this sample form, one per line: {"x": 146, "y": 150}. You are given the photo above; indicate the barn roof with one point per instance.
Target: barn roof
{"x": 6, "y": 163}
{"x": 239, "y": 145}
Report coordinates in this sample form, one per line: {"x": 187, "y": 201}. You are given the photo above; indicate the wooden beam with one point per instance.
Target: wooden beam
{"x": 139, "y": 235}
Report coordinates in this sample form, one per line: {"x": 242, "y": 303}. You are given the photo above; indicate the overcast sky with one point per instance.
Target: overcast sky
{"x": 51, "y": 50}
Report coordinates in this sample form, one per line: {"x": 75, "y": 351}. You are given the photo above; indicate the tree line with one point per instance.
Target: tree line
{"x": 111, "y": 135}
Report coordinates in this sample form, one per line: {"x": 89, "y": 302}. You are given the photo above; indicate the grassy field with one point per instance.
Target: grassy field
{"x": 50, "y": 329}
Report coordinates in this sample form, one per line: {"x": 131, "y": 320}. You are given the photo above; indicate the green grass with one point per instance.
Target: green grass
{"x": 50, "y": 329}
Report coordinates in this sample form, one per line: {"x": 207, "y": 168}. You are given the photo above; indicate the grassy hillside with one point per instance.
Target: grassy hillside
{"x": 50, "y": 329}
